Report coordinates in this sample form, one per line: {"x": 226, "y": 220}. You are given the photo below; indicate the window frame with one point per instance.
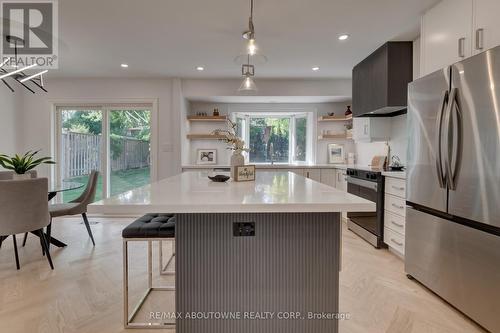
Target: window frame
{"x": 105, "y": 107}
{"x": 289, "y": 114}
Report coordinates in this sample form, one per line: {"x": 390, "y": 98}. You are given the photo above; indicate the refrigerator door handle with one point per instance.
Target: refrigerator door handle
{"x": 453, "y": 108}
{"x": 439, "y": 126}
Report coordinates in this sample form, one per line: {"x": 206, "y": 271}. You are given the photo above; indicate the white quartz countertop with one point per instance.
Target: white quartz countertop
{"x": 193, "y": 192}
{"x": 272, "y": 166}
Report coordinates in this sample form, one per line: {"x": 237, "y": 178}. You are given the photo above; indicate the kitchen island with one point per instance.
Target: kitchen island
{"x": 260, "y": 256}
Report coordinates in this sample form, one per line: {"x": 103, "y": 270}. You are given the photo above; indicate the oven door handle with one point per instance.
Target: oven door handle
{"x": 363, "y": 183}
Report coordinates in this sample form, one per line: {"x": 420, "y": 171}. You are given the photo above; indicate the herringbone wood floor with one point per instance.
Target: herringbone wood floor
{"x": 84, "y": 292}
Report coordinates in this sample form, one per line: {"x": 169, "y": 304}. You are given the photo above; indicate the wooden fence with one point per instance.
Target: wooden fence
{"x": 81, "y": 153}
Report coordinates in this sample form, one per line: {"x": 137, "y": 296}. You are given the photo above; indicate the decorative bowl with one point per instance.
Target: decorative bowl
{"x": 219, "y": 178}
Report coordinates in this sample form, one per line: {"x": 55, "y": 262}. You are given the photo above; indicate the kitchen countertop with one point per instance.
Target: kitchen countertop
{"x": 193, "y": 192}
{"x": 274, "y": 166}
{"x": 395, "y": 174}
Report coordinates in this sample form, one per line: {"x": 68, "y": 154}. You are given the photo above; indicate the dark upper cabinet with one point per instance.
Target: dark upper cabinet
{"x": 380, "y": 82}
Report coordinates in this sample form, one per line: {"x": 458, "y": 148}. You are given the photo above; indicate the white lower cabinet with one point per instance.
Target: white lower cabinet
{"x": 328, "y": 177}
{"x": 395, "y": 214}
{"x": 314, "y": 174}
{"x": 296, "y": 171}
{"x": 341, "y": 180}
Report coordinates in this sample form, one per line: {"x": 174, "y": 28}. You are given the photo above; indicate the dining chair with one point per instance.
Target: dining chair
{"x": 23, "y": 208}
{"x": 77, "y": 206}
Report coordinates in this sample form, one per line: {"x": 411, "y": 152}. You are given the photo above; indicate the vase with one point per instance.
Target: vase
{"x": 24, "y": 176}
{"x": 237, "y": 159}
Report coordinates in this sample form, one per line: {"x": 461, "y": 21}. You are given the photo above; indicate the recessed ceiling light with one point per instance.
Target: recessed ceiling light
{"x": 200, "y": 68}
{"x": 124, "y": 65}
{"x": 343, "y": 37}
{"x": 315, "y": 69}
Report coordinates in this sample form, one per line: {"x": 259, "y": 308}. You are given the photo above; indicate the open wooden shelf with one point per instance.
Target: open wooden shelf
{"x": 333, "y": 136}
{"x": 205, "y": 136}
{"x": 329, "y": 118}
{"x": 207, "y": 118}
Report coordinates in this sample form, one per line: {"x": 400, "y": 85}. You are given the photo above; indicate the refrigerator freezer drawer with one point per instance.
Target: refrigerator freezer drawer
{"x": 458, "y": 263}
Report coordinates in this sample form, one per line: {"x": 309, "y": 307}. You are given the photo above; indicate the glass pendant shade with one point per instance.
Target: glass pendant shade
{"x": 248, "y": 85}
{"x": 251, "y": 53}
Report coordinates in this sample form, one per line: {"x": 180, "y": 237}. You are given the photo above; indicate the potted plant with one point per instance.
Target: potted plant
{"x": 22, "y": 164}
{"x": 236, "y": 144}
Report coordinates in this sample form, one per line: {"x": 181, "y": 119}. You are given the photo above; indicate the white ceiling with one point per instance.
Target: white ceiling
{"x": 166, "y": 38}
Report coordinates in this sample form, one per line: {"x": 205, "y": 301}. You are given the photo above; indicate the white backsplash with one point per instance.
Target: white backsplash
{"x": 366, "y": 151}
{"x": 399, "y": 138}
{"x": 397, "y": 144}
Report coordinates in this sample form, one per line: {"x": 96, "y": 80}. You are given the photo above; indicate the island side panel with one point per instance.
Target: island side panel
{"x": 291, "y": 265}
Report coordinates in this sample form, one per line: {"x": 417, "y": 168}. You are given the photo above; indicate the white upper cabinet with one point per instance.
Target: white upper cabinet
{"x": 446, "y": 35}
{"x": 457, "y": 29}
{"x": 369, "y": 129}
{"x": 486, "y": 32}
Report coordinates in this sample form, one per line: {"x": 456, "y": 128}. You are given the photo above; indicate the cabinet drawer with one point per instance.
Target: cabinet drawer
{"x": 394, "y": 240}
{"x": 395, "y": 187}
{"x": 394, "y": 222}
{"x": 395, "y": 204}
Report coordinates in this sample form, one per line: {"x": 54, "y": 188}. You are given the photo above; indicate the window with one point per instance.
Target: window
{"x": 275, "y": 138}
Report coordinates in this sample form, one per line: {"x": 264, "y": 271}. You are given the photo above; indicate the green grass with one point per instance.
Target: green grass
{"x": 121, "y": 181}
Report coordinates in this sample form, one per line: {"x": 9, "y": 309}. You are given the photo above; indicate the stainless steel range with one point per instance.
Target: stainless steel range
{"x": 368, "y": 184}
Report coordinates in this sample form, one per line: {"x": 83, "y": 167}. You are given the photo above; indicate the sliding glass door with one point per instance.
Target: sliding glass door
{"x": 129, "y": 149}
{"x": 81, "y": 148}
{"x": 115, "y": 140}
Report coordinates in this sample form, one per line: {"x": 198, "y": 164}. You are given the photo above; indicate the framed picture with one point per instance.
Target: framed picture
{"x": 206, "y": 156}
{"x": 336, "y": 153}
{"x": 244, "y": 173}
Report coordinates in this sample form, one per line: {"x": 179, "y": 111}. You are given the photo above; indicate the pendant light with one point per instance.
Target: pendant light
{"x": 248, "y": 71}
{"x": 251, "y": 48}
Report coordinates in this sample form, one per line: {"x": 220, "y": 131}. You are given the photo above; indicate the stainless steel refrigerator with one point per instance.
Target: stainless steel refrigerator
{"x": 453, "y": 186}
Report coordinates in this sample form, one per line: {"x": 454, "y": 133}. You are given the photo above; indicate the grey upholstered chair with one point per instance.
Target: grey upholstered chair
{"x": 24, "y": 208}
{"x": 7, "y": 175}
{"x": 77, "y": 206}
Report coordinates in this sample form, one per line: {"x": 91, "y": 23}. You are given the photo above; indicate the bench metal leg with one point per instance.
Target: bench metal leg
{"x": 164, "y": 268}
{"x": 129, "y": 318}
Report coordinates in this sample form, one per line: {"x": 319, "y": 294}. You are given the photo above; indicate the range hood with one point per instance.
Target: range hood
{"x": 380, "y": 82}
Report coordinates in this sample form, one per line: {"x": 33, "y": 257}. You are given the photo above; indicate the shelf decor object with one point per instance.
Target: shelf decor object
{"x": 206, "y": 156}
{"x": 336, "y": 153}
{"x": 207, "y": 118}
{"x": 244, "y": 173}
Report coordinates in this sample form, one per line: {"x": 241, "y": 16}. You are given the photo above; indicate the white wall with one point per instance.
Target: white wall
{"x": 37, "y": 124}
{"x": 30, "y": 126}
{"x": 199, "y": 88}
{"x": 10, "y": 109}
{"x": 223, "y": 155}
